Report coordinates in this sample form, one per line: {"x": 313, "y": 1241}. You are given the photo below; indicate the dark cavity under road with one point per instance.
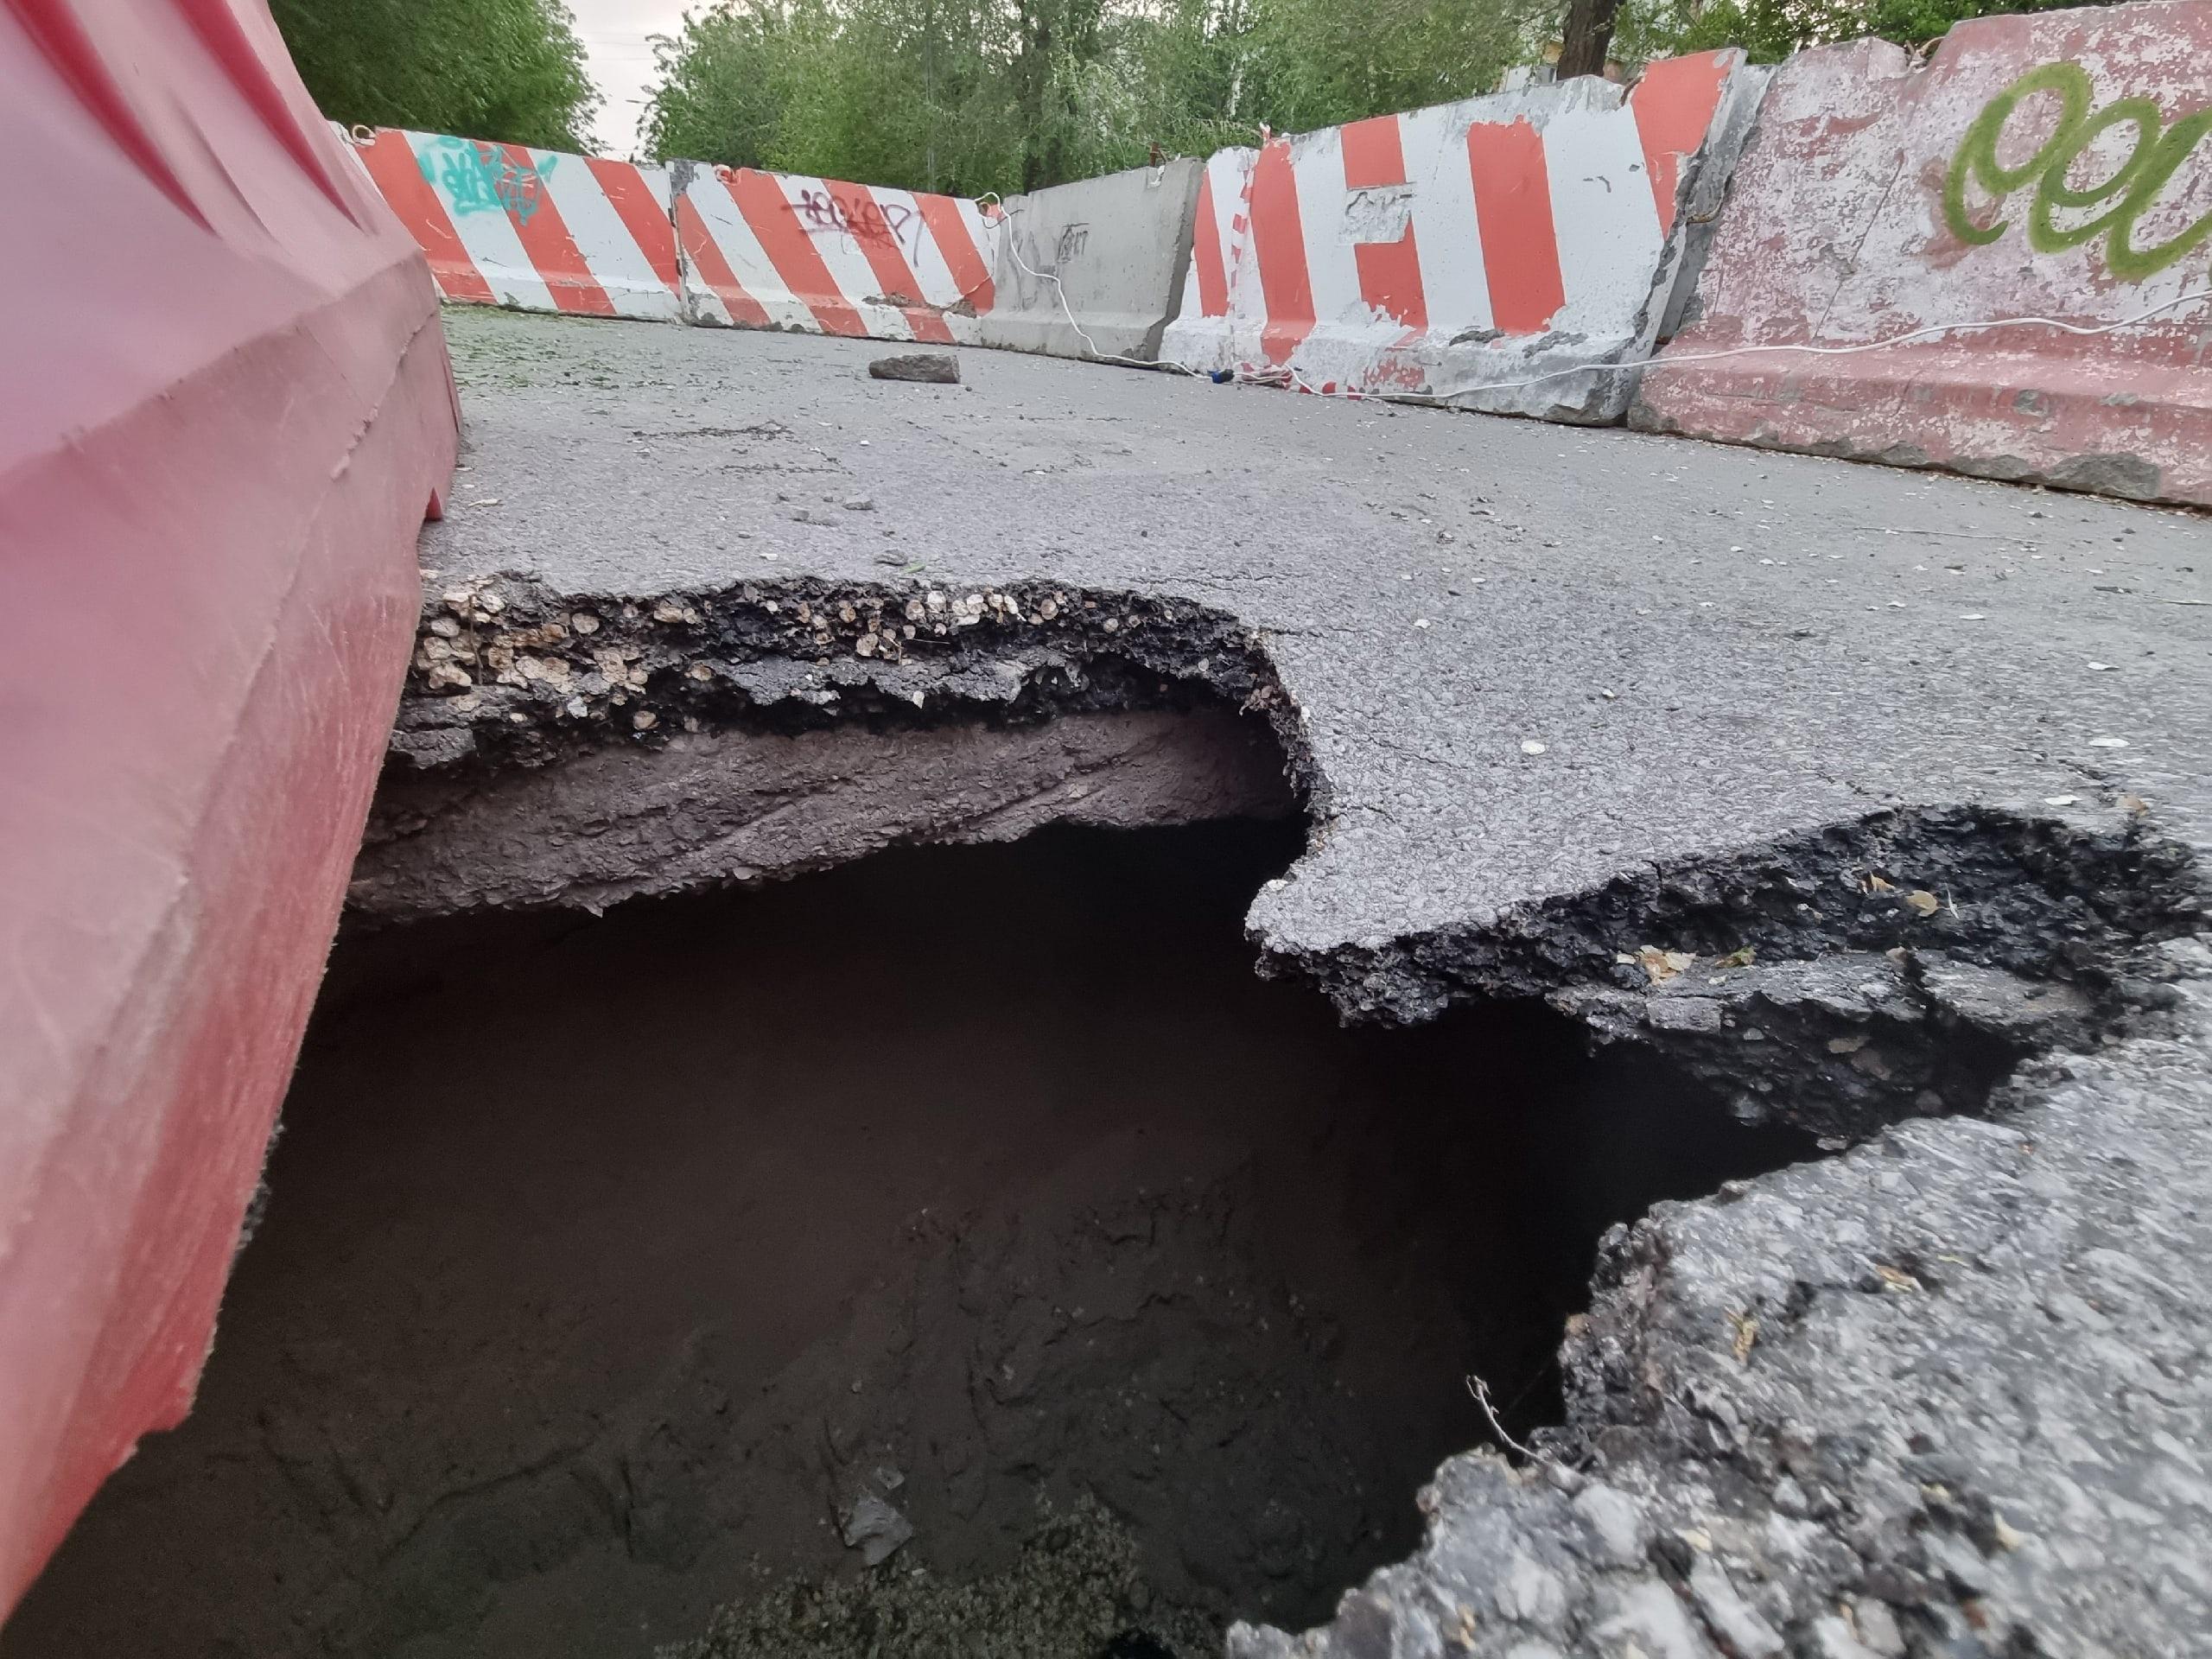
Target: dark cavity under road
{"x": 610, "y": 1264}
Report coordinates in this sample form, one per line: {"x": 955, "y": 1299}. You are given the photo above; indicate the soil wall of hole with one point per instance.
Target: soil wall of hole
{"x": 610, "y": 1262}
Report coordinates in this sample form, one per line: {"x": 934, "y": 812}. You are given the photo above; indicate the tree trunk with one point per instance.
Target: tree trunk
{"x": 1033, "y": 72}
{"x": 1588, "y": 33}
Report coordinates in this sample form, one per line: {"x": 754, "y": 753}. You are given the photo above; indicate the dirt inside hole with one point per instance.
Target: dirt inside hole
{"x": 610, "y": 1264}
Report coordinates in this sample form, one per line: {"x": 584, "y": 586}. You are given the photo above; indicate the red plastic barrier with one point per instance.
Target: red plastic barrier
{"x": 223, "y": 405}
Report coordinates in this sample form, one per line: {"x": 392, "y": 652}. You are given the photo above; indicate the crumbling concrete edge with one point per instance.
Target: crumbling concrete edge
{"x": 1893, "y": 964}
{"x": 1601, "y": 389}
{"x": 1770, "y": 1445}
{"x": 1939, "y": 1394}
{"x": 508, "y": 672}
{"x": 1734, "y": 129}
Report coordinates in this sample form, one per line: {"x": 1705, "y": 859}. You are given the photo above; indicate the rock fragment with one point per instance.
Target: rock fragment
{"x": 875, "y": 1529}
{"x": 940, "y": 368}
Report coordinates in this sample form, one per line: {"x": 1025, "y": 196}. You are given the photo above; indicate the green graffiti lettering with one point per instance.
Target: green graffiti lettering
{"x": 2137, "y": 182}
{"x": 2053, "y": 192}
{"x": 1977, "y": 152}
{"x": 2178, "y": 144}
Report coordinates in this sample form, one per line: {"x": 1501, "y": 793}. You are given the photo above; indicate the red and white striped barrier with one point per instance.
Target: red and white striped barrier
{"x": 778, "y": 250}
{"x": 542, "y": 231}
{"x": 1220, "y": 242}
{"x": 1464, "y": 251}
{"x": 536, "y": 229}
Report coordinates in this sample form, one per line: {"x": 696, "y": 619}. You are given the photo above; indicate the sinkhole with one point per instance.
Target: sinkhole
{"x": 960, "y": 1251}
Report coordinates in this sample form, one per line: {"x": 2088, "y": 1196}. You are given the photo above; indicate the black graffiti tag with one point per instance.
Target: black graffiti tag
{"x": 825, "y": 215}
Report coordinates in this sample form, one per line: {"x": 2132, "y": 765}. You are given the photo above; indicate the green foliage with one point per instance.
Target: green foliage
{"x": 1324, "y": 61}
{"x": 973, "y": 96}
{"x": 1771, "y": 29}
{"x": 511, "y": 70}
{"x": 969, "y": 96}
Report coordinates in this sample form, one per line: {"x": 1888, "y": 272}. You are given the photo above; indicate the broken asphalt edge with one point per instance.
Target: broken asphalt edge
{"x": 1756, "y": 1426}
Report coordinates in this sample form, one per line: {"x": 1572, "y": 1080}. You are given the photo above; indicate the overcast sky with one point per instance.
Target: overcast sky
{"x": 614, "y": 33}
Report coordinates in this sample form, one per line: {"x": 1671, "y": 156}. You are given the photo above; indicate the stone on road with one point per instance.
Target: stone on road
{"x": 941, "y": 368}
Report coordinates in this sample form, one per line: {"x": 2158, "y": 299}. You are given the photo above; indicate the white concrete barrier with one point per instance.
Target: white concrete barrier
{"x": 1096, "y": 267}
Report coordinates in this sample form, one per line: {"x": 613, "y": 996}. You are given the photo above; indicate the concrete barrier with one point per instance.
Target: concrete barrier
{"x": 781, "y": 250}
{"x": 2056, "y": 165}
{"x": 535, "y": 229}
{"x": 1467, "y": 250}
{"x": 1106, "y": 258}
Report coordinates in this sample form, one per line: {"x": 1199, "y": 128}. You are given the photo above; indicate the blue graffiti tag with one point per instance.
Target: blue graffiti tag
{"x": 479, "y": 178}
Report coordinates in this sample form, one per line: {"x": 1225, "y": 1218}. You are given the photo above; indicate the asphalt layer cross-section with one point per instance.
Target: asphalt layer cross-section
{"x": 1715, "y": 646}
{"x": 1944, "y": 1393}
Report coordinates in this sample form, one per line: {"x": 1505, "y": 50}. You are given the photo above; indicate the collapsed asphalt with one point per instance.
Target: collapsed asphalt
{"x": 1562, "y": 693}
{"x": 708, "y": 1252}
{"x": 1807, "y": 773}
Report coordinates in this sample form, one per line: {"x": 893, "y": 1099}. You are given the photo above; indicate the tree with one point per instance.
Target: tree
{"x": 725, "y": 79}
{"x": 1770, "y": 30}
{"x": 510, "y": 70}
{"x": 1321, "y": 61}
{"x": 1587, "y": 37}
{"x": 976, "y": 96}
{"x": 971, "y": 96}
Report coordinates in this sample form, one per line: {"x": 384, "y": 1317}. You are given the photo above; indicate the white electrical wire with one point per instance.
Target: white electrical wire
{"x": 1448, "y": 400}
{"x": 1014, "y": 247}
{"x": 1671, "y": 359}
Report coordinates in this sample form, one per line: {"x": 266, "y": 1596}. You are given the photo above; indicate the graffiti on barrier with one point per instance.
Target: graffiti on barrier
{"x": 825, "y": 215}
{"x": 2135, "y": 186}
{"x": 480, "y": 178}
